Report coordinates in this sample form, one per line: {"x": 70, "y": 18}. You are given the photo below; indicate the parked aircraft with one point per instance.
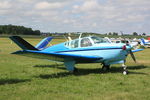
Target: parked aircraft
{"x": 90, "y": 49}
{"x": 133, "y": 43}
{"x": 145, "y": 43}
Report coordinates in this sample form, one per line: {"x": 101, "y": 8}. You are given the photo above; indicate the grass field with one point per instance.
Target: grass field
{"x": 23, "y": 78}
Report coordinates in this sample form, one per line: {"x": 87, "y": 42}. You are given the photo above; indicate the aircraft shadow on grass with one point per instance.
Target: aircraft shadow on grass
{"x": 59, "y": 66}
{"x": 85, "y": 71}
{"x": 12, "y": 81}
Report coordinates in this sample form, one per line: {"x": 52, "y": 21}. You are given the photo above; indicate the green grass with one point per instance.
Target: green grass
{"x": 23, "y": 78}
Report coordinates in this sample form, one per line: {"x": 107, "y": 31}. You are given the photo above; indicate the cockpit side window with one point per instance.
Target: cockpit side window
{"x": 72, "y": 44}
{"x": 98, "y": 40}
{"x": 85, "y": 42}
{"x": 76, "y": 43}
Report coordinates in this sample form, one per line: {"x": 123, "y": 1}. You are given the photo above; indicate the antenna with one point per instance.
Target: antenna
{"x": 80, "y": 35}
{"x": 65, "y": 37}
{"x": 69, "y": 38}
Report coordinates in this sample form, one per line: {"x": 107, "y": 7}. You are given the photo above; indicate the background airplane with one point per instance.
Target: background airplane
{"x": 144, "y": 42}
{"x": 133, "y": 43}
{"x": 81, "y": 50}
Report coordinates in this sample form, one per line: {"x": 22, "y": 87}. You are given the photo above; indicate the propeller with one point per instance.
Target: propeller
{"x": 130, "y": 51}
{"x": 132, "y": 55}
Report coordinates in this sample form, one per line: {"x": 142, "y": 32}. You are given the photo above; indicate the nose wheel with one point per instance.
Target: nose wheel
{"x": 125, "y": 71}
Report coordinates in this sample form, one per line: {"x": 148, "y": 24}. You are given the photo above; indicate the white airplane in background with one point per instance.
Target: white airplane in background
{"x": 145, "y": 42}
{"x": 133, "y": 43}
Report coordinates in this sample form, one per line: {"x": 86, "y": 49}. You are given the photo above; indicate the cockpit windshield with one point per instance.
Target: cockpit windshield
{"x": 98, "y": 40}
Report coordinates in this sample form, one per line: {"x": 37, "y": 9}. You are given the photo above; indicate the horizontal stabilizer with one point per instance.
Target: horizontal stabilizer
{"x": 43, "y": 43}
{"x": 22, "y": 43}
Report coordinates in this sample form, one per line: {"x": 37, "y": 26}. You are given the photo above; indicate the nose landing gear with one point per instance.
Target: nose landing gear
{"x": 107, "y": 67}
{"x": 125, "y": 71}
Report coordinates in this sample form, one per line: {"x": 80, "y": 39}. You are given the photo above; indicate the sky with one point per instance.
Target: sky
{"x": 100, "y": 16}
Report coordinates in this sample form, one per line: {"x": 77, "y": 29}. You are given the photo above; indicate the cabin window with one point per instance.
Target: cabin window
{"x": 85, "y": 42}
{"x": 74, "y": 44}
{"x": 98, "y": 40}
{"x": 67, "y": 44}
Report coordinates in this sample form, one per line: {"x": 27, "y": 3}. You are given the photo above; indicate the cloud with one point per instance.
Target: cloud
{"x": 90, "y": 5}
{"x": 47, "y": 5}
{"x": 78, "y": 15}
{"x": 5, "y": 5}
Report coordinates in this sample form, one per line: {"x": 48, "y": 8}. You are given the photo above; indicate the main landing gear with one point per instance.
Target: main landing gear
{"x": 105, "y": 67}
{"x": 75, "y": 70}
{"x": 70, "y": 65}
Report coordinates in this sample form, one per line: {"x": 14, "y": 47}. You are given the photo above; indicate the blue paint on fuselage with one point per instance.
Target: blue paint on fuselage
{"x": 108, "y": 51}
{"x": 54, "y": 48}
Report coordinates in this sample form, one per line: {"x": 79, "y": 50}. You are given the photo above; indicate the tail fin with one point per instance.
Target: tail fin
{"x": 43, "y": 43}
{"x": 142, "y": 41}
{"x": 22, "y": 43}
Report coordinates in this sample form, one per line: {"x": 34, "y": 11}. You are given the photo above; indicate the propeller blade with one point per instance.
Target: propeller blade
{"x": 132, "y": 55}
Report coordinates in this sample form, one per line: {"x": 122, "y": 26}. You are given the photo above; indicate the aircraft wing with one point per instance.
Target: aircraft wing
{"x": 58, "y": 56}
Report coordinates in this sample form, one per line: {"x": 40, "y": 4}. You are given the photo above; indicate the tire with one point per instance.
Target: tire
{"x": 105, "y": 67}
{"x": 75, "y": 70}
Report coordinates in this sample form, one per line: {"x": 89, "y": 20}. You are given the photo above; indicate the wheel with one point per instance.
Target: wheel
{"x": 105, "y": 67}
{"x": 125, "y": 72}
{"x": 75, "y": 70}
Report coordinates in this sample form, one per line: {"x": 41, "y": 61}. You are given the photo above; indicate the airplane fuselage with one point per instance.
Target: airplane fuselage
{"x": 110, "y": 52}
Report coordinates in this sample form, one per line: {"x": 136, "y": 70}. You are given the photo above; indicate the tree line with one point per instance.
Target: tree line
{"x": 17, "y": 30}
{"x": 21, "y": 30}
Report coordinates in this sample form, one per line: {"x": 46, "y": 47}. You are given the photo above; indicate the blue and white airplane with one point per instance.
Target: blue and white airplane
{"x": 90, "y": 49}
{"x": 144, "y": 42}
